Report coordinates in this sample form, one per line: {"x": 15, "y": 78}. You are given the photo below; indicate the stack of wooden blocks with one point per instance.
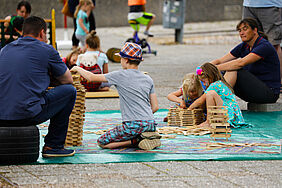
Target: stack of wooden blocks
{"x": 184, "y": 117}
{"x": 76, "y": 120}
{"x": 218, "y": 116}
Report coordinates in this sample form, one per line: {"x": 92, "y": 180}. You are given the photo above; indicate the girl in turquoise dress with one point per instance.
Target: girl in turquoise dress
{"x": 218, "y": 93}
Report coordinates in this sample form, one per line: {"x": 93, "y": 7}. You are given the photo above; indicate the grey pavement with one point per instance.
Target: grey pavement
{"x": 203, "y": 42}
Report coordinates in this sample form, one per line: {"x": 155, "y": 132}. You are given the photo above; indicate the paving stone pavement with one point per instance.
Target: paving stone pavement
{"x": 167, "y": 70}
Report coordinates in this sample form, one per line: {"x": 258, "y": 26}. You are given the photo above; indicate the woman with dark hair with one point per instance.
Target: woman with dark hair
{"x": 23, "y": 10}
{"x": 252, "y": 67}
{"x": 14, "y": 26}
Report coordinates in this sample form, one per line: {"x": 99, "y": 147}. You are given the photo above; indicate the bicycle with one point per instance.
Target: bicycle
{"x": 142, "y": 42}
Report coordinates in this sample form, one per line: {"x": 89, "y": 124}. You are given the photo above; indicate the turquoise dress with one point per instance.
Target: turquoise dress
{"x": 234, "y": 113}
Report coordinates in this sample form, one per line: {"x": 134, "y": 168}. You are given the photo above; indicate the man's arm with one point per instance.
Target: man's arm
{"x": 89, "y": 75}
{"x": 224, "y": 59}
{"x": 154, "y": 102}
{"x": 66, "y": 78}
{"x": 239, "y": 63}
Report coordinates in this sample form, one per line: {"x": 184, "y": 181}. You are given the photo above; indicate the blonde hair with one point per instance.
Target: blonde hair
{"x": 92, "y": 40}
{"x": 191, "y": 83}
{"x": 81, "y": 3}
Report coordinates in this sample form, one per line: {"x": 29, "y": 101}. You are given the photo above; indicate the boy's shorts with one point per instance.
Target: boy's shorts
{"x": 127, "y": 131}
{"x": 144, "y": 20}
{"x": 269, "y": 20}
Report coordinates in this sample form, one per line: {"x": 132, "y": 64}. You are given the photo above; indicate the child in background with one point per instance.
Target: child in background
{"x": 138, "y": 102}
{"x": 218, "y": 93}
{"x": 137, "y": 16}
{"x": 93, "y": 47}
{"x": 191, "y": 90}
{"x": 71, "y": 58}
{"x": 81, "y": 14}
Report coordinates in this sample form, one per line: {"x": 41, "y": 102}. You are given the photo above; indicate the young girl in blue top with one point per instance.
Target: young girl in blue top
{"x": 81, "y": 14}
{"x": 218, "y": 93}
{"x": 93, "y": 47}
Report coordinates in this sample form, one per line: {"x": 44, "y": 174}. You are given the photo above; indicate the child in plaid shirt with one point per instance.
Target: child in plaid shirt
{"x": 138, "y": 102}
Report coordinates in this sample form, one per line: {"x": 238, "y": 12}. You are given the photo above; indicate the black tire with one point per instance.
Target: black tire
{"x": 130, "y": 40}
{"x": 143, "y": 43}
{"x": 19, "y": 145}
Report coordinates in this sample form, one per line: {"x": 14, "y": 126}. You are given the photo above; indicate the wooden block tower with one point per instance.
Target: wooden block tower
{"x": 76, "y": 120}
{"x": 184, "y": 117}
{"x": 173, "y": 116}
{"x": 217, "y": 117}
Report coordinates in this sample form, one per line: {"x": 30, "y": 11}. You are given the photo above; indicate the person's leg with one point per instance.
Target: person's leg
{"x": 271, "y": 21}
{"x": 249, "y": 88}
{"x": 82, "y": 40}
{"x": 147, "y": 19}
{"x": 150, "y": 23}
{"x": 121, "y": 135}
{"x": 279, "y": 53}
{"x": 59, "y": 104}
{"x": 251, "y": 12}
{"x": 115, "y": 138}
{"x": 75, "y": 41}
{"x": 231, "y": 78}
{"x": 212, "y": 99}
{"x": 92, "y": 22}
{"x": 114, "y": 145}
{"x": 135, "y": 25}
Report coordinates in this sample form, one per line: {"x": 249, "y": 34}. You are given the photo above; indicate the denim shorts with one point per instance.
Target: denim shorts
{"x": 127, "y": 131}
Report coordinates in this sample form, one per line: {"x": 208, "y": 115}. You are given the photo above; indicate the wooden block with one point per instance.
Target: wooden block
{"x": 222, "y": 124}
{"x": 102, "y": 94}
{"x": 221, "y": 130}
{"x": 220, "y": 135}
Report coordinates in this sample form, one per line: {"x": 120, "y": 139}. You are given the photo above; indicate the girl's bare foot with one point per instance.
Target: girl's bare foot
{"x": 204, "y": 125}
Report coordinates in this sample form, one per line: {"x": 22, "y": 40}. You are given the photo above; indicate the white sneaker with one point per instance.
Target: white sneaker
{"x": 148, "y": 34}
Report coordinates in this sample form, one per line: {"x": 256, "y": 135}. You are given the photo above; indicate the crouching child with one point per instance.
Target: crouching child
{"x": 138, "y": 102}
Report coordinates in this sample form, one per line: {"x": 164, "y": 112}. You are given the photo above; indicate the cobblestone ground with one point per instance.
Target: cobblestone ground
{"x": 203, "y": 42}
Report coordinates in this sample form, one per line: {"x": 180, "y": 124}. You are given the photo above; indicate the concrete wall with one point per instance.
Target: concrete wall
{"x": 109, "y": 13}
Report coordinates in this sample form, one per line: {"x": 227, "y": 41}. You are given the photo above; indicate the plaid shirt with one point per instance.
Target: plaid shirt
{"x": 91, "y": 86}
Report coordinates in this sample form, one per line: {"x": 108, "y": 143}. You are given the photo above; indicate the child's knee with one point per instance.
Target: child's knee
{"x": 211, "y": 93}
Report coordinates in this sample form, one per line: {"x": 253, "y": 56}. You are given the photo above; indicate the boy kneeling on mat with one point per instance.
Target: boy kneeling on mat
{"x": 138, "y": 102}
